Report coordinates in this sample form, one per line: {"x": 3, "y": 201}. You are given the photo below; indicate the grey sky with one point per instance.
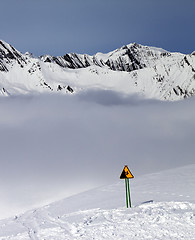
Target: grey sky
{"x": 55, "y": 146}
{"x": 88, "y": 26}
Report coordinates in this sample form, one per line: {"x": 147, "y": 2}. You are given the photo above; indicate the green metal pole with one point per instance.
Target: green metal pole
{"x": 129, "y": 193}
{"x": 126, "y": 188}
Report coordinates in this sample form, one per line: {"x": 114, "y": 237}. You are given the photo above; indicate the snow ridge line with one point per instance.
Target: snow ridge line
{"x": 149, "y": 71}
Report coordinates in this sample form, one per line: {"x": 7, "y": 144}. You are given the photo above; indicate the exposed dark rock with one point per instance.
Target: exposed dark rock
{"x": 59, "y": 88}
{"x": 186, "y": 60}
{"x": 9, "y": 55}
{"x": 128, "y": 58}
{"x": 3, "y": 67}
{"x": 46, "y": 85}
{"x": 165, "y": 54}
{"x": 70, "y": 89}
{"x": 47, "y": 60}
{"x": 180, "y": 92}
{"x": 175, "y": 91}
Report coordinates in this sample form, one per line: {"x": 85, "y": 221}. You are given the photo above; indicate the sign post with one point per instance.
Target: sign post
{"x": 126, "y": 174}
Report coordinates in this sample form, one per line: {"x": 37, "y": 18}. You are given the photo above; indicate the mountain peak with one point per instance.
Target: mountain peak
{"x": 133, "y": 68}
{"x": 8, "y": 52}
{"x": 6, "y": 47}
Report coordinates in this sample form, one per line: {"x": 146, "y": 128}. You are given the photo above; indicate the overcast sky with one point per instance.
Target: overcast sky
{"x": 88, "y": 26}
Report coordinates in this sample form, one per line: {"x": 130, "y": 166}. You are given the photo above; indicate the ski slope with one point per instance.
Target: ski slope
{"x": 163, "y": 207}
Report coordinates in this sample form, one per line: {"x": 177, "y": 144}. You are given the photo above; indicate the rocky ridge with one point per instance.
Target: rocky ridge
{"x": 149, "y": 71}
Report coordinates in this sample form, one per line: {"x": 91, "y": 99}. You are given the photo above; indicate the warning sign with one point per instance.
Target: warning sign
{"x": 126, "y": 173}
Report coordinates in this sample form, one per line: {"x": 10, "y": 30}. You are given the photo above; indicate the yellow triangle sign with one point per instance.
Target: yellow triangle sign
{"x": 126, "y": 173}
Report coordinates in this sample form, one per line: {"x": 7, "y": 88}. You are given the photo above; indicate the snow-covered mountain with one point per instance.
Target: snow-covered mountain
{"x": 151, "y": 72}
{"x": 163, "y": 207}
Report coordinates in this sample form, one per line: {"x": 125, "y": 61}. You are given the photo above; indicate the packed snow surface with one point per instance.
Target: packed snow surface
{"x": 163, "y": 207}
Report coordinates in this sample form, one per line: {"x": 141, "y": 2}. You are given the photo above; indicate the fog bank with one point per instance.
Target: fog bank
{"x": 54, "y": 146}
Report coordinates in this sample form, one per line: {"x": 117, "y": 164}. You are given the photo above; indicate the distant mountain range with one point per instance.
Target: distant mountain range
{"x": 148, "y": 71}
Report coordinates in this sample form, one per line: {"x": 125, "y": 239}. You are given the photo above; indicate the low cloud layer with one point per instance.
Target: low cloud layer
{"x": 54, "y": 146}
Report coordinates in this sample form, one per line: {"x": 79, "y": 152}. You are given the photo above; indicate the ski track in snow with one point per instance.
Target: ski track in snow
{"x": 163, "y": 209}
{"x": 149, "y": 220}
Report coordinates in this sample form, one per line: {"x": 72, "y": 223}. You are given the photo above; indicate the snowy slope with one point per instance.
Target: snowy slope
{"x": 151, "y": 72}
{"x": 163, "y": 208}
